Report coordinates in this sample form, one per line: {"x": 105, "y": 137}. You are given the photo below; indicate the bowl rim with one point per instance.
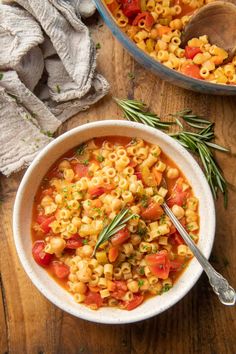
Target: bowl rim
{"x": 175, "y": 75}
{"x": 19, "y": 200}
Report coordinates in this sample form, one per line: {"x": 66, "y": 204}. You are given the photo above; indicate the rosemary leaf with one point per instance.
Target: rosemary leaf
{"x": 118, "y": 223}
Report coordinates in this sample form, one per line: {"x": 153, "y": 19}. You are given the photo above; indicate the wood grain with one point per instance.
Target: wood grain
{"x": 197, "y": 324}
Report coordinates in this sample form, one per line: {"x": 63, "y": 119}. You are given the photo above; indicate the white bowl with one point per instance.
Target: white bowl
{"x": 23, "y": 212}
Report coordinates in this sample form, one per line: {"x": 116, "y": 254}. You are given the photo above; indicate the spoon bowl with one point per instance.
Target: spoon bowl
{"x": 217, "y": 20}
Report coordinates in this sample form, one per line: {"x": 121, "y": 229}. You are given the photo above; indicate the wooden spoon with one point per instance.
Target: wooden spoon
{"x": 218, "y": 21}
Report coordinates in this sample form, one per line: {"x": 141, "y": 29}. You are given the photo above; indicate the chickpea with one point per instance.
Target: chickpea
{"x": 87, "y": 250}
{"x": 58, "y": 245}
{"x": 178, "y": 211}
{"x": 172, "y": 173}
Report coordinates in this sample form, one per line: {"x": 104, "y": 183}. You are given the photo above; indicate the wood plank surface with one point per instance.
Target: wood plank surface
{"x": 198, "y": 323}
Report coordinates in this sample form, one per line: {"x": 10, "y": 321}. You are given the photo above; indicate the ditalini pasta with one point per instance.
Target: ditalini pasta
{"x": 156, "y": 26}
{"x": 83, "y": 192}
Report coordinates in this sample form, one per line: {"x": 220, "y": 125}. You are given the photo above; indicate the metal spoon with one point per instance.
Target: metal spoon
{"x": 218, "y": 21}
{"x": 220, "y": 285}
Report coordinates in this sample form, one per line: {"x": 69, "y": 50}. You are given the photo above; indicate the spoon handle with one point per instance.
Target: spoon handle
{"x": 220, "y": 285}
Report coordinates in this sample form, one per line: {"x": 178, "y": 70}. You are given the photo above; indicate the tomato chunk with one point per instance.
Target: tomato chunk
{"x": 190, "y": 52}
{"x": 40, "y": 256}
{"x": 44, "y": 222}
{"x": 146, "y": 16}
{"x": 153, "y": 212}
{"x": 175, "y": 265}
{"x": 81, "y": 170}
{"x": 93, "y": 298}
{"x": 131, "y": 7}
{"x": 60, "y": 269}
{"x": 122, "y": 236}
{"x": 159, "y": 264}
{"x": 178, "y": 196}
{"x": 192, "y": 70}
{"x": 96, "y": 191}
{"x": 120, "y": 289}
{"x": 113, "y": 254}
{"x": 74, "y": 242}
{"x": 137, "y": 300}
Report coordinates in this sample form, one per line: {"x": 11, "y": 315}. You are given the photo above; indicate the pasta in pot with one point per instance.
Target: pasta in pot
{"x": 156, "y": 27}
{"x": 81, "y": 194}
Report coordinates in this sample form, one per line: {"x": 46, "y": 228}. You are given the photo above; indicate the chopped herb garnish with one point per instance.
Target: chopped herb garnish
{"x": 89, "y": 202}
{"x": 154, "y": 154}
{"x": 118, "y": 223}
{"x": 1, "y": 76}
{"x": 85, "y": 242}
{"x": 141, "y": 230}
{"x": 98, "y": 46}
{"x": 86, "y": 162}
{"x": 80, "y": 149}
{"x": 140, "y": 282}
{"x": 166, "y": 288}
{"x": 144, "y": 201}
{"x": 141, "y": 271}
{"x": 100, "y": 158}
{"x": 131, "y": 76}
{"x": 58, "y": 89}
{"x": 98, "y": 210}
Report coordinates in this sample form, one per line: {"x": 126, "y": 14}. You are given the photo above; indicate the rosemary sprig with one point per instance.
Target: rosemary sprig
{"x": 118, "y": 223}
{"x": 136, "y": 111}
{"x": 198, "y": 141}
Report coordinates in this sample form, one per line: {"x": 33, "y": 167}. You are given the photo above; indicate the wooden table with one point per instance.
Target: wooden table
{"x": 198, "y": 323}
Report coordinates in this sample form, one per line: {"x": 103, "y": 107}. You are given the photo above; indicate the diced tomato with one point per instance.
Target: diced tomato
{"x": 74, "y": 242}
{"x": 112, "y": 5}
{"x": 131, "y": 7}
{"x": 81, "y": 170}
{"x": 175, "y": 265}
{"x": 157, "y": 175}
{"x": 137, "y": 300}
{"x": 40, "y": 256}
{"x": 178, "y": 196}
{"x": 159, "y": 264}
{"x": 93, "y": 298}
{"x": 138, "y": 174}
{"x": 148, "y": 18}
{"x": 120, "y": 289}
{"x": 178, "y": 239}
{"x": 96, "y": 191}
{"x": 192, "y": 70}
{"x": 190, "y": 52}
{"x": 60, "y": 269}
{"x": 153, "y": 212}
{"x": 44, "y": 222}
{"x": 120, "y": 237}
{"x": 113, "y": 254}
{"x": 172, "y": 230}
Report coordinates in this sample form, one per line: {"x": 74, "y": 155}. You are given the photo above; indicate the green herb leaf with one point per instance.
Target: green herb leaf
{"x": 131, "y": 76}
{"x": 199, "y": 141}
{"x": 140, "y": 282}
{"x": 100, "y": 158}
{"x": 80, "y": 149}
{"x": 85, "y": 242}
{"x": 86, "y": 162}
{"x": 166, "y": 288}
{"x": 118, "y": 223}
{"x": 98, "y": 46}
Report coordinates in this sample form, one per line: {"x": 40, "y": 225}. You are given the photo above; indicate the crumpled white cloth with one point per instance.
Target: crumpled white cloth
{"x": 47, "y": 74}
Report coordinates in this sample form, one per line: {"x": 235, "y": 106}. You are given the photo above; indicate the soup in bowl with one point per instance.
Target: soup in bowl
{"x": 90, "y": 230}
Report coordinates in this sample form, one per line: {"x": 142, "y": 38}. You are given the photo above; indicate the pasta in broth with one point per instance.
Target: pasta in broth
{"x": 83, "y": 192}
{"x": 156, "y": 26}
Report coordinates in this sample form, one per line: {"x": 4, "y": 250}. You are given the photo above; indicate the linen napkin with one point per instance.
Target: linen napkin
{"x": 47, "y": 74}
